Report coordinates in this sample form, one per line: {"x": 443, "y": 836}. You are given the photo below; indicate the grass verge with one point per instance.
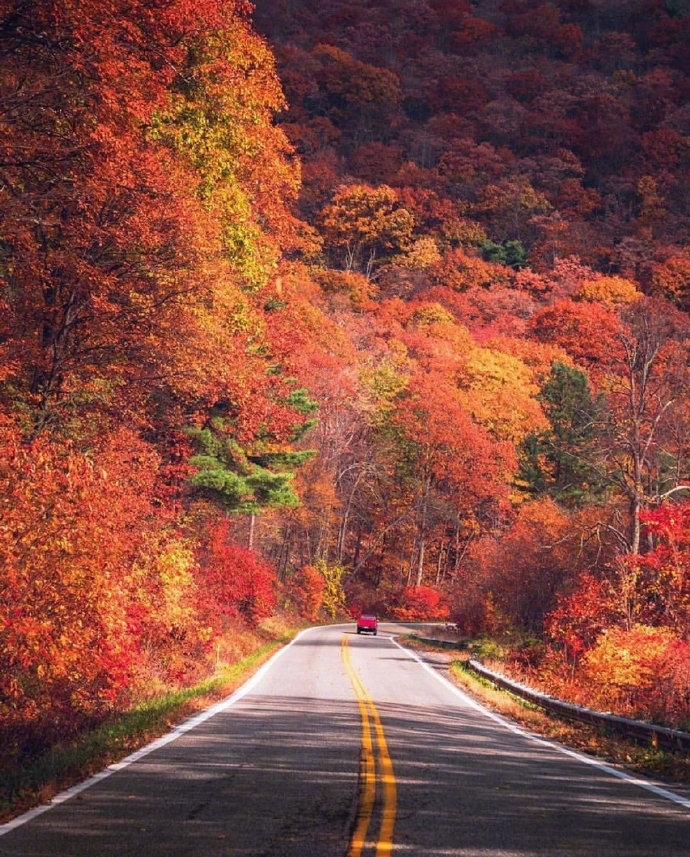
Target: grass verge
{"x": 66, "y": 764}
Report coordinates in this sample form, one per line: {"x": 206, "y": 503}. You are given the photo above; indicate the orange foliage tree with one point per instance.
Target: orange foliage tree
{"x": 77, "y": 601}
{"x": 523, "y": 573}
{"x": 641, "y": 672}
{"x": 147, "y": 203}
{"x": 305, "y": 591}
{"x": 363, "y": 226}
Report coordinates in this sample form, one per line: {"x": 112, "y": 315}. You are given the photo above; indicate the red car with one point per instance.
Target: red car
{"x": 367, "y": 624}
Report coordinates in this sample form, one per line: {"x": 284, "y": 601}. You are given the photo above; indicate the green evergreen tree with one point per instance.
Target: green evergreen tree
{"x": 561, "y": 460}
{"x": 510, "y": 253}
{"x": 247, "y": 481}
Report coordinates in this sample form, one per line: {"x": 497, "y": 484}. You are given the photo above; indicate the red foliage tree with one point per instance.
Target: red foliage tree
{"x": 580, "y": 616}
{"x": 588, "y": 332}
{"x": 235, "y": 581}
{"x": 421, "y": 604}
{"x": 664, "y": 568}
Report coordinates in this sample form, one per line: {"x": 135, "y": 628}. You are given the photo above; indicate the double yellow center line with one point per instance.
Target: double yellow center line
{"x": 371, "y": 774}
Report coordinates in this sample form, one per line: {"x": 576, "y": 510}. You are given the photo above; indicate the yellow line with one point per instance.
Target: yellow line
{"x": 367, "y": 764}
{"x": 365, "y": 809}
{"x": 390, "y": 793}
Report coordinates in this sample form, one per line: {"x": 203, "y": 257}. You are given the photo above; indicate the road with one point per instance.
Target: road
{"x": 351, "y": 746}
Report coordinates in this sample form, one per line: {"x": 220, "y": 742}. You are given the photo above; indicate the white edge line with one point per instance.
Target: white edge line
{"x": 587, "y": 760}
{"x": 173, "y": 735}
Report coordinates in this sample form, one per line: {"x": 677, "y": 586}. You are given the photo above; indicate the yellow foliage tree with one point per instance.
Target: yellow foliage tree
{"x": 333, "y": 593}
{"x": 499, "y": 390}
{"x": 609, "y": 290}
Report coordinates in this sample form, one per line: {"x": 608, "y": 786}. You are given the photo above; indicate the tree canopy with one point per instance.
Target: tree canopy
{"x": 317, "y": 306}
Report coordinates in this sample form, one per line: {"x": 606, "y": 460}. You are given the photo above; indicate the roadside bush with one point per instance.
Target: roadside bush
{"x": 422, "y": 604}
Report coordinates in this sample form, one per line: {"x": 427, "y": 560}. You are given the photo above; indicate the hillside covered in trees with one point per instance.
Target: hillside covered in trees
{"x": 318, "y": 306}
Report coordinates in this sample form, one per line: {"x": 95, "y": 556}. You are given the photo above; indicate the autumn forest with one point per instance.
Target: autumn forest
{"x": 315, "y": 306}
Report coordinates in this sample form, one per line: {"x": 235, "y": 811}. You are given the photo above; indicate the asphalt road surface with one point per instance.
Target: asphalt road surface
{"x": 350, "y": 745}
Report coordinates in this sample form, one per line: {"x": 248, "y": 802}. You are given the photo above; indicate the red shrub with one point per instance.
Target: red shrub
{"x": 234, "y": 580}
{"x": 422, "y": 604}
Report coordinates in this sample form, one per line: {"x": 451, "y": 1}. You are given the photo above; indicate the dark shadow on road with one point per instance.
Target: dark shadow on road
{"x": 276, "y": 776}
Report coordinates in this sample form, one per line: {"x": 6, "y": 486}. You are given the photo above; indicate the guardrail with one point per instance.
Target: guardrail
{"x": 657, "y": 736}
